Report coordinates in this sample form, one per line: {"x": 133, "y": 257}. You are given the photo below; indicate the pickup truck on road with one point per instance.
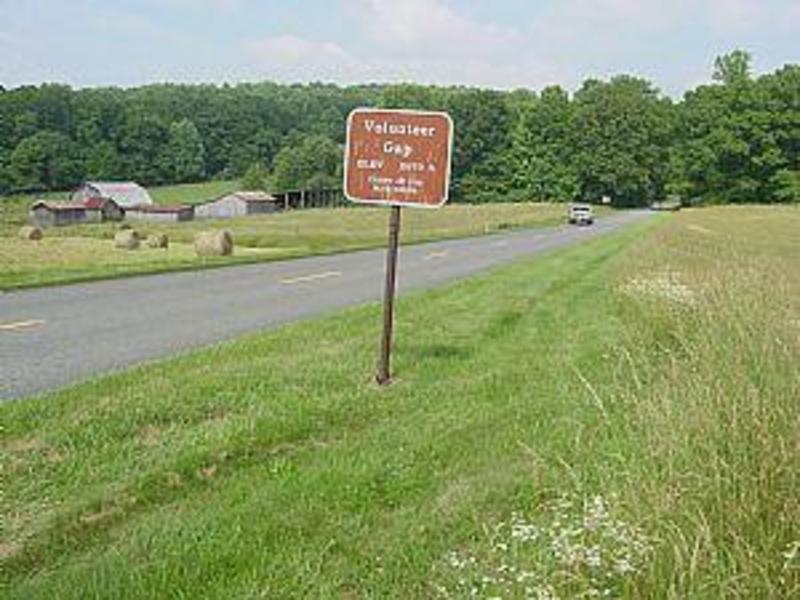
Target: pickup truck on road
{"x": 580, "y": 214}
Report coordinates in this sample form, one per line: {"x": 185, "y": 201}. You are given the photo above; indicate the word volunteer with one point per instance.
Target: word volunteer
{"x": 385, "y": 128}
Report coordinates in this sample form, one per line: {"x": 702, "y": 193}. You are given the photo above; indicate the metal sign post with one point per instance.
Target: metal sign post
{"x": 384, "y": 376}
{"x": 396, "y": 158}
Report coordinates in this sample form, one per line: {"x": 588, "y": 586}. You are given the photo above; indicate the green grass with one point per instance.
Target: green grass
{"x": 13, "y": 214}
{"x": 57, "y": 260}
{"x": 192, "y": 193}
{"x": 85, "y": 252}
{"x": 655, "y": 369}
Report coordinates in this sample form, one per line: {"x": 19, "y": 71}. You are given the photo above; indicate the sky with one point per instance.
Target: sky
{"x": 501, "y": 44}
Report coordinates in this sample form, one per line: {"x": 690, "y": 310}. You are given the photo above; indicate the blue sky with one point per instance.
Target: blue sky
{"x": 491, "y": 43}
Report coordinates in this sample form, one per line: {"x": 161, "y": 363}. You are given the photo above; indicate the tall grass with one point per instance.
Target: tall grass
{"x": 709, "y": 384}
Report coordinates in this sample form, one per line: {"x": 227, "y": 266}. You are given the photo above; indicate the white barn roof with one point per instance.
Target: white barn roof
{"x": 244, "y": 196}
{"x": 125, "y": 193}
{"x": 255, "y": 196}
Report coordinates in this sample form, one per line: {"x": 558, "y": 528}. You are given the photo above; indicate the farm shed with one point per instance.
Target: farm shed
{"x": 237, "y": 204}
{"x": 125, "y": 194}
{"x": 54, "y": 214}
{"x": 162, "y": 214}
{"x": 99, "y": 210}
{"x": 313, "y": 198}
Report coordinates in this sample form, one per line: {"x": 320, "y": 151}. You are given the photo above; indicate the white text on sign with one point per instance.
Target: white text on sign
{"x": 398, "y": 157}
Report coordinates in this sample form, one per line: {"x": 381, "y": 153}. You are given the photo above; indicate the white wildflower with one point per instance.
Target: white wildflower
{"x": 592, "y": 557}
{"x": 666, "y": 286}
{"x": 623, "y": 566}
{"x": 792, "y": 552}
{"x": 573, "y": 546}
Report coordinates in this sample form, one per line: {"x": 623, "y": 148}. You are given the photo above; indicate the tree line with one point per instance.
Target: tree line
{"x": 736, "y": 140}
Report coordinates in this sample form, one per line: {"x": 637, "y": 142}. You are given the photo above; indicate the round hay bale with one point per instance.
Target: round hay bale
{"x": 127, "y": 239}
{"x": 31, "y": 233}
{"x": 157, "y": 240}
{"x": 213, "y": 243}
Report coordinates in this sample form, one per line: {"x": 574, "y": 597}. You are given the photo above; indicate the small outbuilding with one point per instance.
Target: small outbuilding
{"x": 55, "y": 214}
{"x": 125, "y": 193}
{"x": 95, "y": 210}
{"x": 100, "y": 210}
{"x": 161, "y": 214}
{"x": 237, "y": 204}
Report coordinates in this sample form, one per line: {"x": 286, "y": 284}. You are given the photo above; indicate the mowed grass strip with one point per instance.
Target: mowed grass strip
{"x": 654, "y": 369}
{"x": 71, "y": 259}
{"x": 86, "y": 252}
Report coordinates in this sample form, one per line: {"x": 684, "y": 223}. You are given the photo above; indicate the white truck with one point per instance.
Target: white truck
{"x": 580, "y": 214}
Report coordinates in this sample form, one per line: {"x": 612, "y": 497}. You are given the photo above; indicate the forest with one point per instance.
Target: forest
{"x": 734, "y": 140}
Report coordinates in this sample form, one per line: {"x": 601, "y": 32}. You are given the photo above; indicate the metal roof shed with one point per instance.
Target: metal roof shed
{"x": 54, "y": 214}
{"x": 126, "y": 194}
{"x": 237, "y": 204}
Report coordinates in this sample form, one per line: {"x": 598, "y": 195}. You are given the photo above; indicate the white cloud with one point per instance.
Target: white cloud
{"x": 27, "y": 58}
{"x": 290, "y": 57}
{"x": 426, "y": 41}
{"x": 736, "y": 16}
{"x": 126, "y": 24}
{"x": 223, "y": 5}
{"x": 296, "y": 50}
{"x": 293, "y": 58}
{"x": 562, "y": 42}
{"x": 790, "y": 20}
{"x": 429, "y": 28}
{"x": 659, "y": 15}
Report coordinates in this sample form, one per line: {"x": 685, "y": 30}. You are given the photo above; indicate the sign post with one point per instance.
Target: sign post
{"x": 396, "y": 158}
{"x": 384, "y": 375}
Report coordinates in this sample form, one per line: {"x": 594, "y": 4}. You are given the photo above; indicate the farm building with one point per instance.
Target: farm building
{"x": 313, "y": 198}
{"x": 163, "y": 214}
{"x": 94, "y": 210}
{"x": 54, "y": 214}
{"x": 237, "y": 204}
{"x": 125, "y": 194}
{"x": 100, "y": 210}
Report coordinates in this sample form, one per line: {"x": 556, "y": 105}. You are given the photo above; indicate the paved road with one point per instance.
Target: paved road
{"x": 52, "y": 337}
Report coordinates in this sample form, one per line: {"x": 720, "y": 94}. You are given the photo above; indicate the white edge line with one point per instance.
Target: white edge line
{"x": 314, "y": 277}
{"x": 16, "y": 326}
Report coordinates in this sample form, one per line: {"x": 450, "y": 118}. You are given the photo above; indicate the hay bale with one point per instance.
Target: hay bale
{"x": 213, "y": 243}
{"x": 157, "y": 240}
{"x": 31, "y": 233}
{"x": 127, "y": 239}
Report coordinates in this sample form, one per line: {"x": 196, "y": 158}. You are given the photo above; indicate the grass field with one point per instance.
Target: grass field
{"x": 68, "y": 259}
{"x": 192, "y": 193}
{"x": 85, "y": 252}
{"x": 619, "y": 418}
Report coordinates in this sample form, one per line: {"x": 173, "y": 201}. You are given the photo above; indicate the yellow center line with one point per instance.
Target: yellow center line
{"x": 433, "y": 255}
{"x": 315, "y": 277}
{"x": 19, "y": 325}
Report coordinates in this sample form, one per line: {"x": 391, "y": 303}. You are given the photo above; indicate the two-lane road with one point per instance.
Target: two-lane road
{"x": 56, "y": 336}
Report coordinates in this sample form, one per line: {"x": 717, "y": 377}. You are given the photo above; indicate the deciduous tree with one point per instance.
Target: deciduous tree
{"x": 298, "y": 164}
{"x": 184, "y": 154}
{"x": 45, "y": 160}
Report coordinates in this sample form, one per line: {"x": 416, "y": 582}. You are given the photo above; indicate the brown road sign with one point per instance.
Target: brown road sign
{"x": 398, "y": 157}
